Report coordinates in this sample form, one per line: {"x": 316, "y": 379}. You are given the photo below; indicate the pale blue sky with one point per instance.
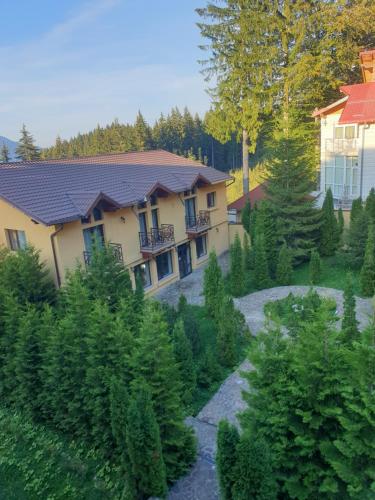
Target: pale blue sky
{"x": 67, "y": 65}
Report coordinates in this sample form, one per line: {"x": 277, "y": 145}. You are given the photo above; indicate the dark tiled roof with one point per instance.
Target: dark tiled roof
{"x": 58, "y": 191}
{"x": 255, "y": 195}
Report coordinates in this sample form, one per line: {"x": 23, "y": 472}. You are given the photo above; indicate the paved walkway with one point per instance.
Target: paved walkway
{"x": 201, "y": 482}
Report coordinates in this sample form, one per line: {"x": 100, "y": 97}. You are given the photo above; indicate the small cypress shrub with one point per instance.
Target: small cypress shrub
{"x": 227, "y": 441}
{"x": 237, "y": 275}
{"x": 315, "y": 267}
{"x": 367, "y": 276}
{"x": 246, "y": 216}
{"x": 261, "y": 274}
{"x": 284, "y": 269}
{"x": 349, "y": 321}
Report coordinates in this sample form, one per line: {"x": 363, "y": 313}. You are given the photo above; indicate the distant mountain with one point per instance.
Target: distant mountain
{"x": 12, "y": 145}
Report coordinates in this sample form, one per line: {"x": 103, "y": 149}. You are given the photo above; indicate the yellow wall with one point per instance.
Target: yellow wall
{"x": 122, "y": 227}
{"x": 236, "y": 229}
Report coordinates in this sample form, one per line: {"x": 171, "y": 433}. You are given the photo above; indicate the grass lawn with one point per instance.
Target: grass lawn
{"x": 333, "y": 275}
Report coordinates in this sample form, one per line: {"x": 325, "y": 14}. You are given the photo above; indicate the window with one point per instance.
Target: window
{"x": 86, "y": 219}
{"x": 97, "y": 213}
{"x": 201, "y": 246}
{"x": 342, "y": 176}
{"x": 16, "y": 239}
{"x": 155, "y": 217}
{"x": 143, "y": 222}
{"x": 164, "y": 265}
{"x": 153, "y": 200}
{"x": 211, "y": 199}
{"x": 345, "y": 132}
{"x": 93, "y": 235}
{"x": 143, "y": 270}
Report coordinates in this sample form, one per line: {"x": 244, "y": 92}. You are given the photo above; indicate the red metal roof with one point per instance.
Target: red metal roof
{"x": 360, "y": 106}
{"x": 255, "y": 195}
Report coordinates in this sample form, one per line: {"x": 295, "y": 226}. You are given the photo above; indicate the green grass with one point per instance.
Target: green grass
{"x": 333, "y": 275}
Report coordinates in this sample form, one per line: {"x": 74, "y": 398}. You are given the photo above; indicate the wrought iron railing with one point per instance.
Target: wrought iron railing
{"x": 116, "y": 249}
{"x": 157, "y": 237}
{"x": 198, "y": 222}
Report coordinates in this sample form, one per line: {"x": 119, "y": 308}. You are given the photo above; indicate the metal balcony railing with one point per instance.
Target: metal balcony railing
{"x": 344, "y": 146}
{"x": 116, "y": 249}
{"x": 198, "y": 223}
{"x": 157, "y": 238}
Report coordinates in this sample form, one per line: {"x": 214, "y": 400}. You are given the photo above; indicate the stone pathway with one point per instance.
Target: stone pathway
{"x": 201, "y": 482}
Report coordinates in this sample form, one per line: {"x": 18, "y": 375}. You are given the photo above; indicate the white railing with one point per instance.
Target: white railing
{"x": 347, "y": 146}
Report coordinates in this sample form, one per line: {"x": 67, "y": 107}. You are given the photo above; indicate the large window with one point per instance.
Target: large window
{"x": 211, "y": 199}
{"x": 345, "y": 132}
{"x": 201, "y": 246}
{"x": 16, "y": 239}
{"x": 93, "y": 235}
{"x": 143, "y": 270}
{"x": 164, "y": 264}
{"x": 342, "y": 176}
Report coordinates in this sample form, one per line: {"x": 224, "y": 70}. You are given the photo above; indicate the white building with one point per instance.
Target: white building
{"x": 347, "y": 164}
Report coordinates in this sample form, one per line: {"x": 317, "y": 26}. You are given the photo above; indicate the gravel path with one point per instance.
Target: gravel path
{"x": 201, "y": 482}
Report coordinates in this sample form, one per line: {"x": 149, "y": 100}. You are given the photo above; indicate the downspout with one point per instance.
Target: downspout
{"x": 365, "y": 126}
{"x": 52, "y": 236}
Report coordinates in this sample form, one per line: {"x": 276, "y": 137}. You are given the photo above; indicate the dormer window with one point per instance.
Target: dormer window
{"x": 97, "y": 213}
{"x": 153, "y": 200}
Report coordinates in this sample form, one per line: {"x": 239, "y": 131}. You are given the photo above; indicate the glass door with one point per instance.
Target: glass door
{"x": 184, "y": 260}
{"x": 190, "y": 212}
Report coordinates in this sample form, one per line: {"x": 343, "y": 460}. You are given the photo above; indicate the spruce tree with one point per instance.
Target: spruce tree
{"x": 370, "y": 205}
{"x": 184, "y": 357}
{"x": 329, "y": 231}
{"x": 367, "y": 275}
{"x": 142, "y": 134}
{"x": 246, "y": 216}
{"x": 253, "y": 473}
{"x": 284, "y": 269}
{"x": 4, "y": 154}
{"x": 144, "y": 445}
{"x": 315, "y": 267}
{"x": 26, "y": 149}
{"x": 261, "y": 272}
{"x": 227, "y": 335}
{"x": 227, "y": 441}
{"x": 213, "y": 287}
{"x": 154, "y": 360}
{"x": 237, "y": 275}
{"x": 349, "y": 325}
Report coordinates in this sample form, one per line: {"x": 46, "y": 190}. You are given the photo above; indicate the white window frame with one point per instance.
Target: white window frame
{"x": 346, "y": 188}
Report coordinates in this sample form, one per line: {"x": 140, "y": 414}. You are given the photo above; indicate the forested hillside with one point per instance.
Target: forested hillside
{"x": 180, "y": 133}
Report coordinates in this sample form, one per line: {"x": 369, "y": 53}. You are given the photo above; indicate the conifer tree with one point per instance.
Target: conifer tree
{"x": 246, "y": 216}
{"x": 261, "y": 273}
{"x": 4, "y": 154}
{"x": 370, "y": 205}
{"x": 142, "y": 134}
{"x": 357, "y": 208}
{"x": 367, "y": 276}
{"x": 26, "y": 149}
{"x": 248, "y": 263}
{"x": 213, "y": 287}
{"x": 184, "y": 357}
{"x": 253, "y": 223}
{"x": 357, "y": 237}
{"x": 191, "y": 327}
{"x": 182, "y": 304}
{"x": 340, "y": 222}
{"x": 315, "y": 267}
{"x": 284, "y": 268}
{"x": 227, "y": 334}
{"x": 349, "y": 325}
{"x": 329, "y": 231}
{"x": 237, "y": 275}
{"x": 144, "y": 446}
{"x": 266, "y": 225}
{"x": 154, "y": 360}
{"x": 227, "y": 441}
{"x": 253, "y": 471}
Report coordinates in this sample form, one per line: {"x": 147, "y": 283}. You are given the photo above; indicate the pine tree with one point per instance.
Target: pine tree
{"x": 261, "y": 273}
{"x": 237, "y": 275}
{"x": 329, "y": 231}
{"x": 227, "y": 441}
{"x": 315, "y": 268}
{"x": 144, "y": 445}
{"x": 284, "y": 270}
{"x": 253, "y": 473}
{"x": 349, "y": 325}
{"x": 26, "y": 150}
{"x": 367, "y": 276}
{"x": 4, "y": 154}
{"x": 340, "y": 222}
{"x": 370, "y": 205}
{"x": 246, "y": 216}
{"x": 213, "y": 287}
{"x": 227, "y": 334}
{"x": 184, "y": 357}
{"x": 154, "y": 360}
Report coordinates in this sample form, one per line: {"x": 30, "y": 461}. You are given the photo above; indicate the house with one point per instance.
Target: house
{"x": 235, "y": 208}
{"x": 160, "y": 212}
{"x": 347, "y": 163}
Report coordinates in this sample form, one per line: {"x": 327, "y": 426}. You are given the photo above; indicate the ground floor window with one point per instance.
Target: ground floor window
{"x": 164, "y": 264}
{"x": 201, "y": 246}
{"x": 342, "y": 176}
{"x": 143, "y": 270}
{"x": 16, "y": 239}
{"x": 93, "y": 235}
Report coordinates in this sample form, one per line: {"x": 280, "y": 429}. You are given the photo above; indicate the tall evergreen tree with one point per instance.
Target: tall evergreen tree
{"x": 26, "y": 149}
{"x": 329, "y": 231}
{"x": 184, "y": 357}
{"x": 370, "y": 205}
{"x": 261, "y": 273}
{"x": 340, "y": 222}
{"x": 144, "y": 446}
{"x": 237, "y": 275}
{"x": 349, "y": 325}
{"x": 227, "y": 441}
{"x": 367, "y": 276}
{"x": 213, "y": 287}
{"x": 284, "y": 268}
{"x": 142, "y": 134}
{"x": 315, "y": 267}
{"x": 246, "y": 216}
{"x": 266, "y": 225}
{"x": 357, "y": 208}
{"x": 227, "y": 334}
{"x": 357, "y": 237}
{"x": 4, "y": 154}
{"x": 248, "y": 263}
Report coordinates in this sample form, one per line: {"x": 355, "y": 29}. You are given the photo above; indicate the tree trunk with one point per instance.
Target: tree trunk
{"x": 245, "y": 161}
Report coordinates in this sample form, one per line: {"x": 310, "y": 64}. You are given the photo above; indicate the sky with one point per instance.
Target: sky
{"x": 69, "y": 65}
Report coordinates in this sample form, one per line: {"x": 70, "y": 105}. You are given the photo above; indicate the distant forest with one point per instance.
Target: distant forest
{"x": 180, "y": 133}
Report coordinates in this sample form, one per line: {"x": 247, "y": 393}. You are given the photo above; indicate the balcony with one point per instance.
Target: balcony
{"x": 348, "y": 147}
{"x": 197, "y": 224}
{"x": 156, "y": 240}
{"x": 116, "y": 249}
